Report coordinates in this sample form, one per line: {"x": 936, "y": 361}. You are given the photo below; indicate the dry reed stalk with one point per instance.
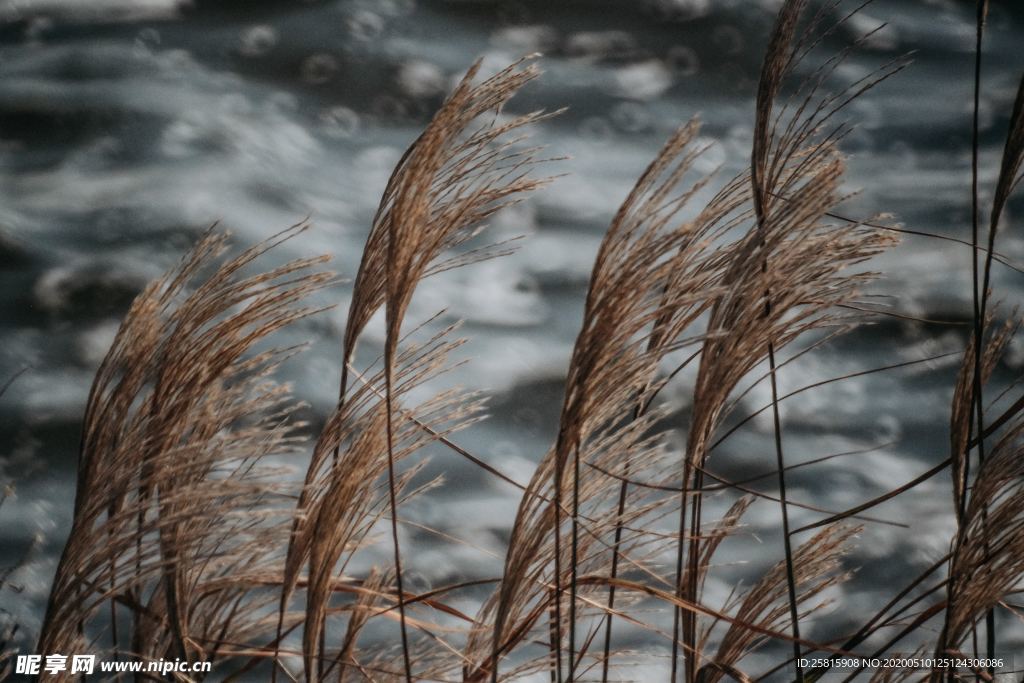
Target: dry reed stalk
{"x": 963, "y": 403}
{"x": 442, "y": 190}
{"x": 341, "y": 501}
{"x": 790, "y": 274}
{"x": 968, "y": 427}
{"x": 467, "y": 165}
{"x": 10, "y": 629}
{"x": 979, "y": 295}
{"x": 176, "y": 500}
{"x": 681, "y": 300}
{"x": 988, "y": 563}
{"x": 653, "y": 277}
{"x": 361, "y": 612}
{"x": 1009, "y": 177}
{"x": 775, "y": 67}
{"x": 449, "y": 181}
{"x": 527, "y": 593}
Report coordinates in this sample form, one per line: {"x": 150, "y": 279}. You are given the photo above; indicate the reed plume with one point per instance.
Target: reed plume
{"x": 654, "y": 275}
{"x": 960, "y": 428}
{"x": 987, "y": 565}
{"x": 977, "y": 549}
{"x": 342, "y": 501}
{"x": 457, "y": 173}
{"x": 467, "y": 165}
{"x": 791, "y": 274}
{"x": 766, "y": 604}
{"x": 984, "y": 350}
{"x": 177, "y": 498}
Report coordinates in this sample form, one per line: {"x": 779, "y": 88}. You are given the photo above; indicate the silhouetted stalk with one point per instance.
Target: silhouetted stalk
{"x": 916, "y": 481}
{"x": 575, "y": 561}
{"x": 767, "y": 90}
{"x": 693, "y": 571}
{"x": 786, "y": 538}
{"x": 393, "y": 500}
{"x": 556, "y": 635}
{"x": 760, "y": 210}
{"x": 614, "y": 573}
{"x": 553, "y": 638}
{"x": 980, "y": 294}
{"x": 680, "y": 576}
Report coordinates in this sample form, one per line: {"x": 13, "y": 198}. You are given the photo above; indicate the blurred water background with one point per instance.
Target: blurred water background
{"x": 129, "y": 126}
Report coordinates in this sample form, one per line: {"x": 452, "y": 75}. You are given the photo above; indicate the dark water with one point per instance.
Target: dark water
{"x": 128, "y": 127}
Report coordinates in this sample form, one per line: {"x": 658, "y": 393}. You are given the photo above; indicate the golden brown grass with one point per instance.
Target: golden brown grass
{"x": 190, "y": 540}
{"x": 177, "y": 502}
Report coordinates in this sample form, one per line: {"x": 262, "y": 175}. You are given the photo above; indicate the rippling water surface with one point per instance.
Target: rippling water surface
{"x": 129, "y": 126}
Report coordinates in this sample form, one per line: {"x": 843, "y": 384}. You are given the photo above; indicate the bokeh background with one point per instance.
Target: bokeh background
{"x": 129, "y": 126}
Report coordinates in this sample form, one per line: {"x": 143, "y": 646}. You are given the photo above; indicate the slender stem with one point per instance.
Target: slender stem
{"x": 692, "y": 573}
{"x": 761, "y": 210}
{"x": 979, "y": 323}
{"x": 980, "y": 294}
{"x": 786, "y": 536}
{"x": 878, "y": 500}
{"x": 556, "y": 665}
{"x": 556, "y": 635}
{"x": 977, "y": 402}
{"x": 620, "y": 513}
{"x": 393, "y": 495}
{"x": 623, "y": 491}
{"x": 283, "y": 603}
{"x": 574, "y": 560}
{"x": 677, "y": 612}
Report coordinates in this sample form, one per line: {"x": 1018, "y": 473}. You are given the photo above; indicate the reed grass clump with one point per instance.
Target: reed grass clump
{"x": 189, "y": 540}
